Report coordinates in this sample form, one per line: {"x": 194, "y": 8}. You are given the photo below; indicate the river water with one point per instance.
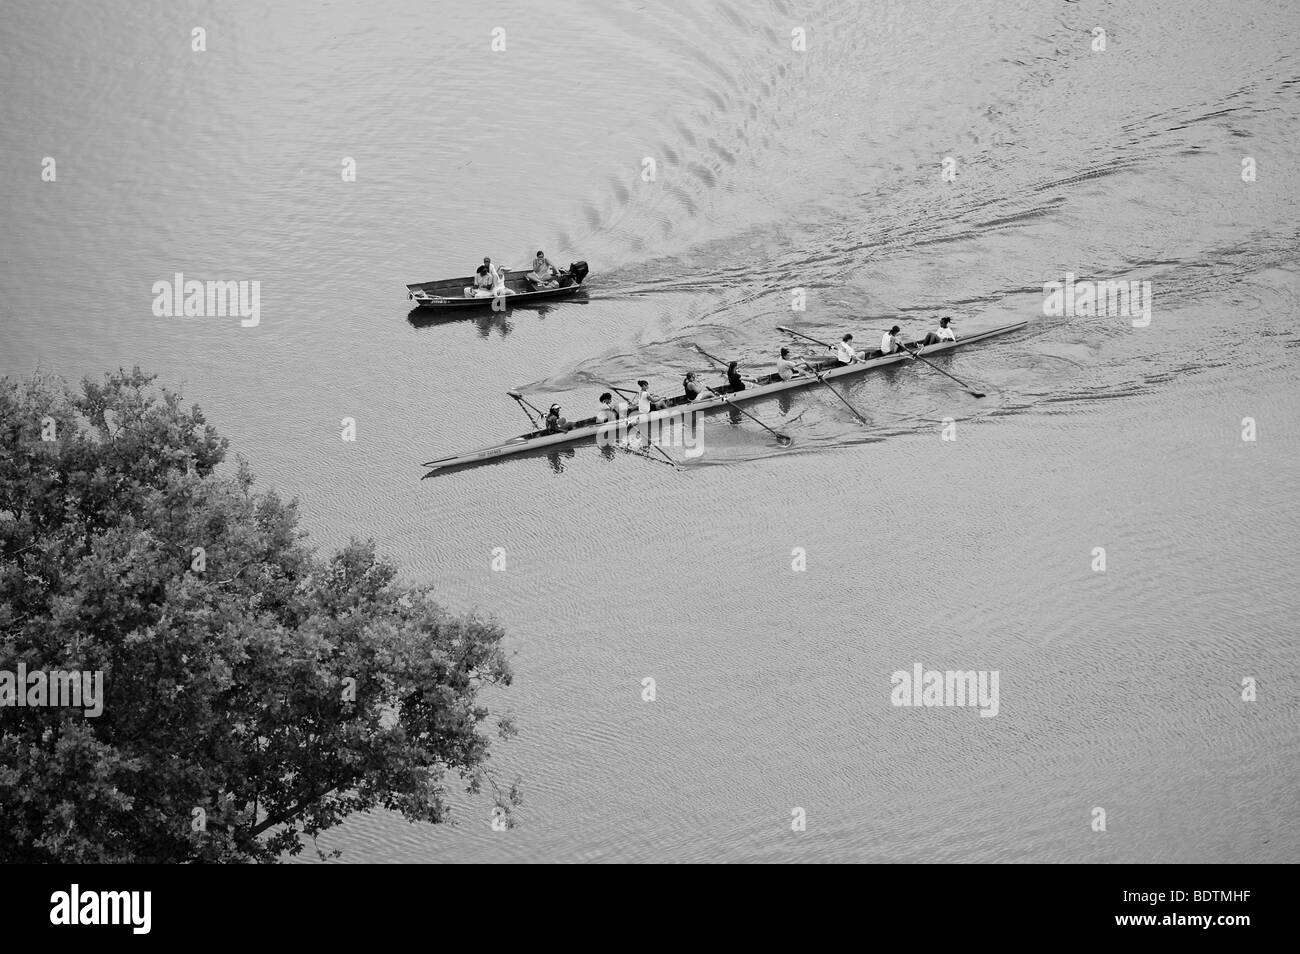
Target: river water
{"x": 774, "y": 169}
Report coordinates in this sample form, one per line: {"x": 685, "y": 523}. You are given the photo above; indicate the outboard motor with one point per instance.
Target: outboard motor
{"x": 577, "y": 272}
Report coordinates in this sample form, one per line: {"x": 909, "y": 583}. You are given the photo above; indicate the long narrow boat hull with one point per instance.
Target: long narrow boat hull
{"x": 600, "y": 432}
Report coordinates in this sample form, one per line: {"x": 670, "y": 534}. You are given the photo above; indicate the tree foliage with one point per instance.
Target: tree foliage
{"x": 254, "y": 692}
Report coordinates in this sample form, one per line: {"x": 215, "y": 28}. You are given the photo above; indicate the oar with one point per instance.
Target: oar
{"x": 522, "y": 401}
{"x": 818, "y": 375}
{"x": 822, "y": 380}
{"x": 783, "y": 438}
{"x": 614, "y": 387}
{"x": 799, "y": 334}
{"x": 713, "y": 358}
{"x": 666, "y": 456}
{"x": 649, "y": 442}
{"x": 969, "y": 389}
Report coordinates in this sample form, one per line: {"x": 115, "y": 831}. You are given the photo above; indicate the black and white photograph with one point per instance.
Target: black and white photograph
{"x": 651, "y": 432}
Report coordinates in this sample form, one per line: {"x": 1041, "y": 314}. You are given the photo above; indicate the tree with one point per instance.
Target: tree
{"x": 253, "y": 691}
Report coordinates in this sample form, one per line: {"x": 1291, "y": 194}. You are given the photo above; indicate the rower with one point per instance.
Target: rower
{"x": 543, "y": 273}
{"x": 785, "y": 368}
{"x": 844, "y": 352}
{"x": 945, "y": 333}
{"x": 555, "y": 424}
{"x": 734, "y": 381}
{"x": 608, "y": 410}
{"x": 691, "y": 386}
{"x": 647, "y": 400}
{"x": 889, "y": 342}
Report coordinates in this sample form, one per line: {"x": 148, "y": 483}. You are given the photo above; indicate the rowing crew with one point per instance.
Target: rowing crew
{"x": 786, "y": 369}
{"x": 890, "y": 343}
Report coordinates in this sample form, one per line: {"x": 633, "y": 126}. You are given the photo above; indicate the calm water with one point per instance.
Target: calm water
{"x": 775, "y": 170}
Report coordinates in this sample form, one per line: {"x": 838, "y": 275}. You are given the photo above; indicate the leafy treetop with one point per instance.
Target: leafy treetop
{"x": 253, "y": 692}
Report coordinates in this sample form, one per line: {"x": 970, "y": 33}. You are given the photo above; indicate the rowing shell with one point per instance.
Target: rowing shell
{"x": 589, "y": 430}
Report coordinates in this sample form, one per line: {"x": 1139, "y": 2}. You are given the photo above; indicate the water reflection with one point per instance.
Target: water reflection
{"x": 486, "y": 320}
{"x": 557, "y": 456}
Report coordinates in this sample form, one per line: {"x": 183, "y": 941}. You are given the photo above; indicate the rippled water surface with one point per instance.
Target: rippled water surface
{"x": 775, "y": 169}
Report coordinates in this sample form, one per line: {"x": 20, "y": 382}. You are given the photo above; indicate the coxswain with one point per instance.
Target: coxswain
{"x": 844, "y": 352}
{"x": 555, "y": 424}
{"x": 945, "y": 333}
{"x": 785, "y": 368}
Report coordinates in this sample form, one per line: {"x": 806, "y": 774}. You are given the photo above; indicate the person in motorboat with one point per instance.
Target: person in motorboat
{"x": 484, "y": 283}
{"x": 499, "y": 273}
{"x": 543, "y": 274}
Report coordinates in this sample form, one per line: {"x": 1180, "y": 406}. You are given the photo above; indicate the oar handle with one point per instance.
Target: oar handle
{"x": 712, "y": 358}
{"x": 523, "y": 400}
{"x": 800, "y": 334}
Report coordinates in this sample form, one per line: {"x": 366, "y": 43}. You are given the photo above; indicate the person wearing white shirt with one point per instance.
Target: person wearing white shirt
{"x": 498, "y": 273}
{"x": 647, "y": 400}
{"x": 844, "y": 352}
{"x": 608, "y": 409}
{"x": 785, "y": 369}
{"x": 889, "y": 342}
{"x": 945, "y": 333}
{"x": 483, "y": 284}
